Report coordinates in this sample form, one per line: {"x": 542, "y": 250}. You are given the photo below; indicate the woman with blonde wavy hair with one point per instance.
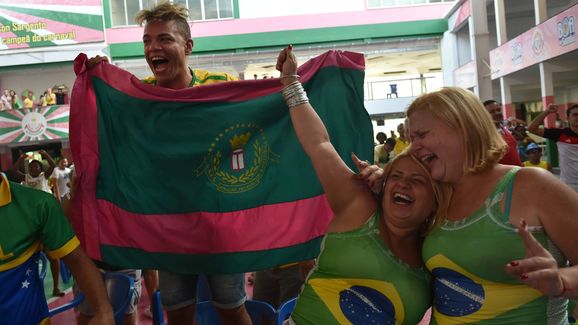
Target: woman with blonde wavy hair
{"x": 500, "y": 257}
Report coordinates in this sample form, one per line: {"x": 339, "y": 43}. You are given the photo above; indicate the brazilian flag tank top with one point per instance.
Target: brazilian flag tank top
{"x": 467, "y": 259}
{"x": 359, "y": 281}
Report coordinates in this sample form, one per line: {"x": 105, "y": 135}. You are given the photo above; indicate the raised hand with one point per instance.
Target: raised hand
{"x": 92, "y": 62}
{"x": 287, "y": 65}
{"x": 372, "y": 175}
{"x": 552, "y": 108}
{"x": 539, "y": 269}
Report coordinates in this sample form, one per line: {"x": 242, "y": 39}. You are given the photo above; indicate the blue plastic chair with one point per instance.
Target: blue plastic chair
{"x": 158, "y": 317}
{"x": 206, "y": 314}
{"x": 285, "y": 310}
{"x": 64, "y": 272}
{"x": 393, "y": 90}
{"x": 120, "y": 289}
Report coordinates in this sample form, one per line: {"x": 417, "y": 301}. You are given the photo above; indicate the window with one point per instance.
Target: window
{"x": 394, "y": 3}
{"x": 124, "y": 11}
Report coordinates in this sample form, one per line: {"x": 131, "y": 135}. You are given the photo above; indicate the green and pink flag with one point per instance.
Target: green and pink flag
{"x": 209, "y": 179}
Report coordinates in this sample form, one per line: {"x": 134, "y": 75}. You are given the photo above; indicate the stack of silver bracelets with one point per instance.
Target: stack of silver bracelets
{"x": 294, "y": 94}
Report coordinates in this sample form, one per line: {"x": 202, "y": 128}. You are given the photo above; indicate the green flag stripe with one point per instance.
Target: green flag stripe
{"x": 77, "y": 19}
{"x": 51, "y": 109}
{"x": 126, "y": 257}
{"x": 8, "y": 130}
{"x": 10, "y": 117}
{"x": 195, "y": 140}
{"x": 18, "y": 138}
{"x": 58, "y": 120}
{"x": 58, "y": 133}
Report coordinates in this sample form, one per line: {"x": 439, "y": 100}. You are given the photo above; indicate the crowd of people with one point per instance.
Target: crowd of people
{"x": 11, "y": 100}
{"x": 444, "y": 222}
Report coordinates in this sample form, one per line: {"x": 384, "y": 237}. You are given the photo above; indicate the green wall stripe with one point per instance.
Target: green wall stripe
{"x": 84, "y": 20}
{"x": 296, "y": 37}
{"x": 106, "y": 13}
{"x": 236, "y": 11}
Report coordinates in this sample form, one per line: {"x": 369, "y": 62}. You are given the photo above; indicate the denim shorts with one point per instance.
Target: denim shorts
{"x": 86, "y": 309}
{"x": 180, "y": 290}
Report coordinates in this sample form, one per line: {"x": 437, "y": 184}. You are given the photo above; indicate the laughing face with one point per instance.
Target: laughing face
{"x": 437, "y": 145}
{"x": 408, "y": 194}
{"x": 166, "y": 53}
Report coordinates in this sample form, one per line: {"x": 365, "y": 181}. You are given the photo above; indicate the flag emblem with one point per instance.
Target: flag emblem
{"x": 249, "y": 157}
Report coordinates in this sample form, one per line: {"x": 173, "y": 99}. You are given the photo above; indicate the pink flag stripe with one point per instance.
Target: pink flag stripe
{"x": 6, "y": 124}
{"x": 59, "y": 125}
{"x": 244, "y": 90}
{"x": 83, "y": 34}
{"x": 59, "y": 2}
{"x": 249, "y": 229}
{"x": 10, "y": 138}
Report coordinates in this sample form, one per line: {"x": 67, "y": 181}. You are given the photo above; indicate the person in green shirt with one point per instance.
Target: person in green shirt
{"x": 33, "y": 220}
{"x": 370, "y": 269}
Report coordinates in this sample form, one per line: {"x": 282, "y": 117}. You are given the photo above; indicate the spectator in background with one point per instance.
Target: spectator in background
{"x": 380, "y": 137}
{"x": 50, "y": 97}
{"x": 382, "y": 152}
{"x": 5, "y": 101}
{"x": 37, "y": 178}
{"x": 60, "y": 96}
{"x": 511, "y": 157}
{"x": 402, "y": 142}
{"x": 566, "y": 141}
{"x": 14, "y": 100}
{"x": 28, "y": 101}
{"x": 41, "y": 101}
{"x": 62, "y": 176}
{"x": 534, "y": 153}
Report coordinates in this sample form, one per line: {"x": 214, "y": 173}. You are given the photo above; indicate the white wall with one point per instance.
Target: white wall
{"x": 37, "y": 79}
{"x": 275, "y": 8}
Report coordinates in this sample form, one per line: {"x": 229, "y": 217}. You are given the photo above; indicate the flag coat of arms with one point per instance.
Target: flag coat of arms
{"x": 209, "y": 179}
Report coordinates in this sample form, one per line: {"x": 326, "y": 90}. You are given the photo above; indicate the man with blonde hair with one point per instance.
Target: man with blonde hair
{"x": 167, "y": 42}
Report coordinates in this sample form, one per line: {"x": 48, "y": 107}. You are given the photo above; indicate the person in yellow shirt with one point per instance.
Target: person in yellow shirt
{"x": 534, "y": 153}
{"x": 50, "y": 97}
{"x": 29, "y": 101}
{"x": 402, "y": 141}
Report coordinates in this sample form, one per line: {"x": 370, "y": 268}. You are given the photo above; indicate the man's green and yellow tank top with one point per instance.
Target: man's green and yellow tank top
{"x": 467, "y": 259}
{"x": 359, "y": 281}
{"x": 200, "y": 77}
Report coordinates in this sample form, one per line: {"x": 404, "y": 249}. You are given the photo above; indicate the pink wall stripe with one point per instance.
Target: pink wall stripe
{"x": 274, "y": 24}
{"x": 249, "y": 229}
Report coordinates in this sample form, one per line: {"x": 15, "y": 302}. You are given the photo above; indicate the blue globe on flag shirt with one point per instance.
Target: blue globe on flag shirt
{"x": 364, "y": 305}
{"x": 455, "y": 294}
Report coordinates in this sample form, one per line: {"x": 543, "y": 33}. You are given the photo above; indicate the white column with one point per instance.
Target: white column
{"x": 502, "y": 37}
{"x": 480, "y": 45}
